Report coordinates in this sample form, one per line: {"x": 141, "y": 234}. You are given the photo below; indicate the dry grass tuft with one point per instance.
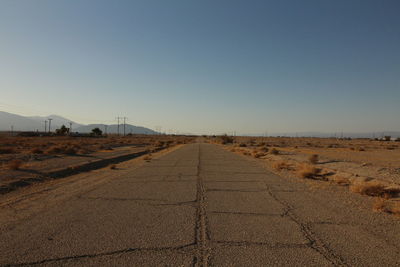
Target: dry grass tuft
{"x": 147, "y": 157}
{"x": 313, "y": 159}
{"x": 281, "y": 165}
{"x": 373, "y": 188}
{"x": 7, "y": 150}
{"x": 113, "y": 166}
{"x": 257, "y": 154}
{"x": 70, "y": 150}
{"x": 36, "y": 151}
{"x": 15, "y": 164}
{"x": 383, "y": 205}
{"x": 340, "y": 180}
{"x": 308, "y": 171}
{"x": 246, "y": 153}
{"x": 274, "y": 151}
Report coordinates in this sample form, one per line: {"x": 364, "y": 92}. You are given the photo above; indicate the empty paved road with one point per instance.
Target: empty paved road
{"x": 199, "y": 205}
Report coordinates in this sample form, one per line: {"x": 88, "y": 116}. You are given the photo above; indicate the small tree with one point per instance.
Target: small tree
{"x": 62, "y": 131}
{"x": 97, "y": 132}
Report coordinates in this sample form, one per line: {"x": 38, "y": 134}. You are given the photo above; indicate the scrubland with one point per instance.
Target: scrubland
{"x": 34, "y": 158}
{"x": 366, "y": 167}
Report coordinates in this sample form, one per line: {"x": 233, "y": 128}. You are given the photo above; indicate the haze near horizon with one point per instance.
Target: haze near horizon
{"x": 205, "y": 67}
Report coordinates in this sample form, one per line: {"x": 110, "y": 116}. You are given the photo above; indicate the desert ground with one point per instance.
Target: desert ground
{"x": 27, "y": 160}
{"x": 367, "y": 166}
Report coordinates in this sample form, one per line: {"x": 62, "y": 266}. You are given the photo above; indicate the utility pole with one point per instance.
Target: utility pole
{"x": 45, "y": 126}
{"x": 50, "y": 124}
{"x": 118, "y": 124}
{"x": 125, "y": 118}
{"x": 70, "y": 127}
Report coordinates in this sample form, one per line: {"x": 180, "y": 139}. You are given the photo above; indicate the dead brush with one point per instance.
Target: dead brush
{"x": 308, "y": 171}
{"x": 113, "y": 166}
{"x": 313, "y": 159}
{"x": 383, "y": 205}
{"x": 258, "y": 154}
{"x": 36, "y": 150}
{"x": 375, "y": 189}
{"x": 340, "y": 180}
{"x": 148, "y": 157}
{"x": 54, "y": 150}
{"x": 15, "y": 164}
{"x": 281, "y": 165}
{"x": 274, "y": 151}
{"x": 7, "y": 150}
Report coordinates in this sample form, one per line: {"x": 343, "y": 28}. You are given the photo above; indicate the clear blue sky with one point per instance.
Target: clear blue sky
{"x": 205, "y": 66}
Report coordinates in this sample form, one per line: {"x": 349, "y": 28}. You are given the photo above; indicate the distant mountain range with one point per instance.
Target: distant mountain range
{"x": 37, "y": 123}
{"x": 393, "y": 134}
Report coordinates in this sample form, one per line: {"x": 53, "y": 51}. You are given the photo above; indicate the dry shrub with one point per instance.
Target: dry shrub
{"x": 148, "y": 157}
{"x": 340, "y": 180}
{"x": 15, "y": 164}
{"x": 361, "y": 148}
{"x": 113, "y": 166}
{"x": 246, "y": 153}
{"x": 264, "y": 149}
{"x": 258, "y": 154}
{"x": 372, "y": 188}
{"x": 160, "y": 144}
{"x": 69, "y": 150}
{"x": 37, "y": 151}
{"x": 308, "y": 171}
{"x": 242, "y": 145}
{"x": 54, "y": 150}
{"x": 225, "y": 139}
{"x": 383, "y": 205}
{"x": 313, "y": 159}
{"x": 274, "y": 151}
{"x": 281, "y": 165}
{"x": 7, "y": 150}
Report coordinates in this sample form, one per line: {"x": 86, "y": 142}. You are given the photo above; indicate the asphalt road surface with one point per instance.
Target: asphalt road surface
{"x": 199, "y": 205}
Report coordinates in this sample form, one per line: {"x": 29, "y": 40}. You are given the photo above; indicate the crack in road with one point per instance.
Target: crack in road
{"x": 202, "y": 235}
{"x": 246, "y": 213}
{"x": 184, "y": 248}
{"x": 314, "y": 242}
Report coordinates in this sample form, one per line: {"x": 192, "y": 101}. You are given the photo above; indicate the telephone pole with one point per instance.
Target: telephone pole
{"x": 118, "y": 124}
{"x": 125, "y": 118}
{"x": 45, "y": 126}
{"x": 70, "y": 127}
{"x": 50, "y": 124}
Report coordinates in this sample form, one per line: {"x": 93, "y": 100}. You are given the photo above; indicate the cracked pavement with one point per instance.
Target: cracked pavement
{"x": 198, "y": 206}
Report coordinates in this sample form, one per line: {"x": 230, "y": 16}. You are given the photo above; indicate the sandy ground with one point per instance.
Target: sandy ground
{"x": 43, "y": 158}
